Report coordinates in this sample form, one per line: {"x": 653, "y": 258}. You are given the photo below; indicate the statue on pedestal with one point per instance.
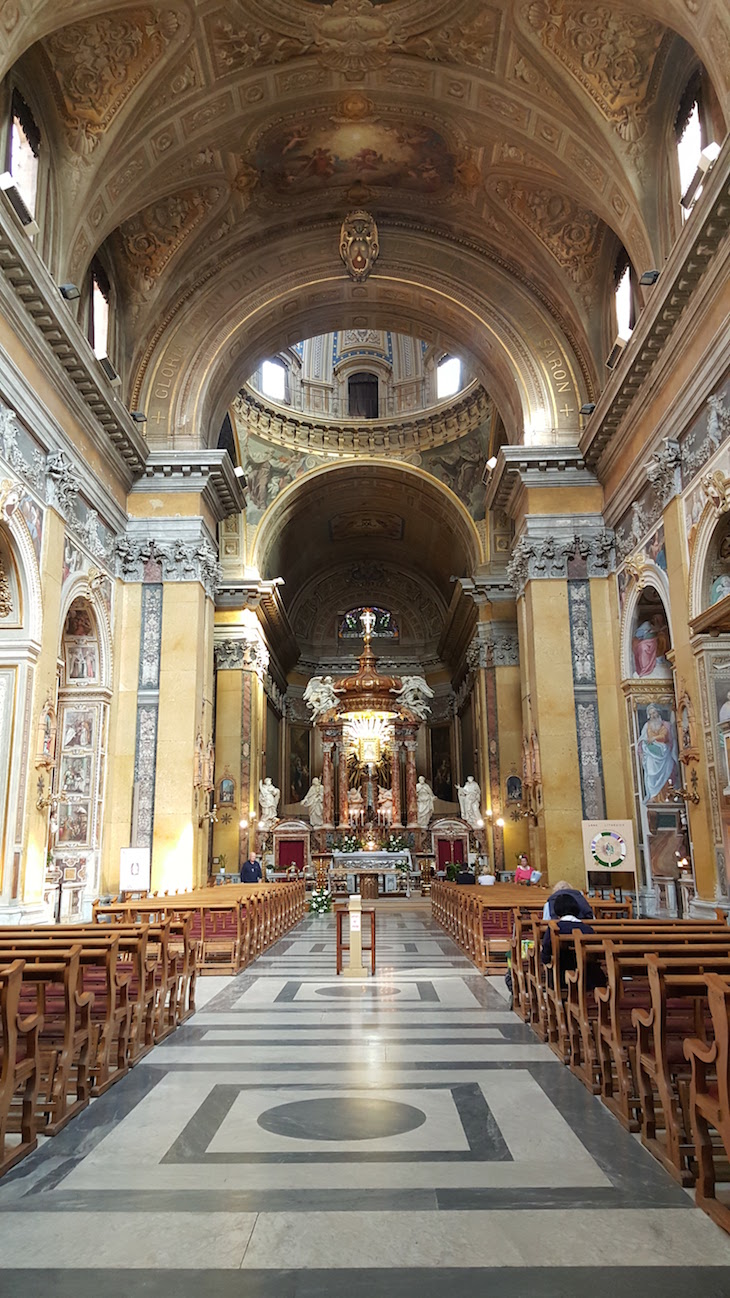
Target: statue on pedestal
{"x": 470, "y": 797}
{"x": 314, "y": 802}
{"x": 425, "y": 800}
{"x": 269, "y": 802}
{"x": 320, "y": 696}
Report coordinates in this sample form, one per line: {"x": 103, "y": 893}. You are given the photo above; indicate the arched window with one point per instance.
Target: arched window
{"x": 273, "y": 380}
{"x": 624, "y": 296}
{"x": 696, "y": 149}
{"x": 24, "y": 142}
{"x": 99, "y": 300}
{"x": 362, "y": 395}
{"x": 448, "y": 377}
{"x": 385, "y": 628}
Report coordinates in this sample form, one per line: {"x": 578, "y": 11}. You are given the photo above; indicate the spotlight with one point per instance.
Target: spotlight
{"x": 649, "y": 277}
{"x": 707, "y": 159}
{"x": 491, "y": 463}
{"x": 110, "y": 371}
{"x": 15, "y": 198}
{"x": 138, "y": 416}
{"x": 587, "y": 408}
{"x": 615, "y": 353}
{"x": 69, "y": 291}
{"x": 239, "y": 472}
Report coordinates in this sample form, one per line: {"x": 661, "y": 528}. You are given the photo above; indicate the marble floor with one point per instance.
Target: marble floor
{"x": 306, "y": 1136}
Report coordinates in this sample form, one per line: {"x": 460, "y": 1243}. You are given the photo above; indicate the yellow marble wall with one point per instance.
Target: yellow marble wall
{"x": 685, "y": 665}
{"x": 179, "y": 845}
{"x": 35, "y": 822}
{"x": 552, "y": 705}
{"x": 509, "y": 725}
{"x": 613, "y": 726}
{"x": 229, "y": 691}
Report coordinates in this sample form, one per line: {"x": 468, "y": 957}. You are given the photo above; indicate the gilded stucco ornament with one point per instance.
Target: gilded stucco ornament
{"x": 352, "y": 37}
{"x": 359, "y": 244}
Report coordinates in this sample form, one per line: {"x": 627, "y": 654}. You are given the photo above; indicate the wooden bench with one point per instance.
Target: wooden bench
{"x": 709, "y": 1102}
{"x": 19, "y": 1069}
{"x": 679, "y": 1010}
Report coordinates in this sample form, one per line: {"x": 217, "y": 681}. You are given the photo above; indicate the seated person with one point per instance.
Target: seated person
{"x": 465, "y": 875}
{"x": 583, "y": 909}
{"x": 251, "y": 869}
{"x": 565, "y": 912}
{"x": 523, "y": 873}
{"x": 485, "y": 878}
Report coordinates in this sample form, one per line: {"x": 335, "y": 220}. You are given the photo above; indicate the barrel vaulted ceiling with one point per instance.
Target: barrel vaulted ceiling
{"x": 208, "y": 152}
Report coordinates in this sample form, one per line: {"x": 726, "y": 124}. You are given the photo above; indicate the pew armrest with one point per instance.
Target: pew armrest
{"x": 642, "y": 1018}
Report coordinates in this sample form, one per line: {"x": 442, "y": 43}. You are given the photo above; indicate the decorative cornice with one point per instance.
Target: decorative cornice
{"x": 494, "y": 588}
{"x": 699, "y": 242}
{"x": 427, "y": 428}
{"x": 536, "y": 466}
{"x": 181, "y": 550}
{"x": 553, "y": 543}
{"x": 664, "y": 470}
{"x": 246, "y": 592}
{"x": 60, "y": 342}
{"x": 209, "y": 473}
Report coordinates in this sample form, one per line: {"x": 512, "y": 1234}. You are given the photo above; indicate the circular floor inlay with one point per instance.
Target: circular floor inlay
{"x": 361, "y": 990}
{"x": 355, "y": 1118}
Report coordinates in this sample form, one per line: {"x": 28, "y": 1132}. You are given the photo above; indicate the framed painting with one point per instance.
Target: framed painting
{"x": 441, "y": 769}
{"x": 299, "y": 762}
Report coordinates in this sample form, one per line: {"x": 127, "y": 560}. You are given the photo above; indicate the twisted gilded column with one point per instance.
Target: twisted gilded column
{"x": 411, "y": 782}
{"x": 328, "y": 806}
{"x": 395, "y": 785}
{"x": 342, "y": 773}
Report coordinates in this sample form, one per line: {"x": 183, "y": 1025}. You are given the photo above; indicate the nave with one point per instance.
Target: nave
{"x": 304, "y": 1135}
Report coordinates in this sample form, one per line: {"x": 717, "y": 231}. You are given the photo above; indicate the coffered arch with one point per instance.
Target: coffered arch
{"x": 508, "y": 338}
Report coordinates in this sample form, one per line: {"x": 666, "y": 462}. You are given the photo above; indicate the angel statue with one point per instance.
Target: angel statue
{"x": 269, "y": 801}
{"x": 470, "y": 797}
{"x": 320, "y": 696}
{"x": 313, "y": 800}
{"x": 413, "y": 693}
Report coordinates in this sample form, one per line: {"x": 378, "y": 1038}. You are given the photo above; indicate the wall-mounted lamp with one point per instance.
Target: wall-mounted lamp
{"x": 110, "y": 371}
{"x": 211, "y": 815}
{"x": 616, "y": 352}
{"x": 138, "y": 416}
{"x": 243, "y": 824}
{"x": 15, "y": 198}
{"x": 707, "y": 158}
{"x": 587, "y": 408}
{"x": 70, "y": 292}
{"x": 649, "y": 277}
{"x": 499, "y": 822}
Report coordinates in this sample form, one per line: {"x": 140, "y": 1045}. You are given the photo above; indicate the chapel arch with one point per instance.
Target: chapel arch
{"x": 83, "y": 718}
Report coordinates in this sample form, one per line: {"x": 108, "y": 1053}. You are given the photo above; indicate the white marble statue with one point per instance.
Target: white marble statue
{"x": 425, "y": 800}
{"x": 385, "y": 803}
{"x": 268, "y": 801}
{"x": 470, "y": 797}
{"x": 320, "y": 696}
{"x": 313, "y": 800}
{"x": 413, "y": 693}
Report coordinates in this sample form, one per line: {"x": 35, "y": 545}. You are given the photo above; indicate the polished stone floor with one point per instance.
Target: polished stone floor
{"x": 305, "y": 1136}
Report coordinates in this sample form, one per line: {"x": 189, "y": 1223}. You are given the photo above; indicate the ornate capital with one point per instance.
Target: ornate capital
{"x": 664, "y": 470}
{"x": 541, "y": 557}
{"x": 189, "y": 558}
{"x": 245, "y": 651}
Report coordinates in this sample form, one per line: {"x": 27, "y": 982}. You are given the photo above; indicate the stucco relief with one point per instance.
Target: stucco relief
{"x": 98, "y": 63}
{"x": 612, "y": 54}
{"x": 573, "y": 234}
{"x": 152, "y": 237}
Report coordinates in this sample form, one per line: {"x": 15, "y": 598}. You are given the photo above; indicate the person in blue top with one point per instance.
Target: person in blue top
{"x": 251, "y": 870}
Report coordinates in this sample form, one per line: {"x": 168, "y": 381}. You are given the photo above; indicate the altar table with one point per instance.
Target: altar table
{"x": 367, "y": 869}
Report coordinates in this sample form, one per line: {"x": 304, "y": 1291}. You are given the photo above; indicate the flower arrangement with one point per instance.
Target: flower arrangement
{"x": 396, "y": 843}
{"x": 349, "y": 843}
{"x": 320, "y": 902}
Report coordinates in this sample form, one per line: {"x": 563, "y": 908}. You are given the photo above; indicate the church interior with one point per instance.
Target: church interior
{"x": 364, "y": 543}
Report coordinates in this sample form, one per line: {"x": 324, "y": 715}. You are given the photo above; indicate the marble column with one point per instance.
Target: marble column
{"x": 342, "y": 773}
{"x": 411, "y": 782}
{"x": 395, "y": 785}
{"x": 328, "y": 808}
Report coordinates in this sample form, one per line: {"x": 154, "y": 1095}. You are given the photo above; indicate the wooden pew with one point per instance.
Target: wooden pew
{"x": 679, "y": 1009}
{"x": 709, "y": 1100}
{"x": 99, "y": 977}
{"x": 19, "y": 1069}
{"x": 50, "y": 989}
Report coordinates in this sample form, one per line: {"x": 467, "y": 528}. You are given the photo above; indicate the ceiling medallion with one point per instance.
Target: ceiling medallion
{"x": 352, "y": 37}
{"x": 359, "y": 244}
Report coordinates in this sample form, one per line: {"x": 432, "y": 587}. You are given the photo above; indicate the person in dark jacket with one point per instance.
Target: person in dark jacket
{"x": 466, "y": 875}
{"x": 251, "y": 870}
{"x": 582, "y": 907}
{"x": 564, "y": 911}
